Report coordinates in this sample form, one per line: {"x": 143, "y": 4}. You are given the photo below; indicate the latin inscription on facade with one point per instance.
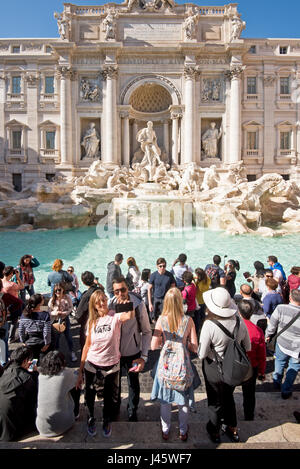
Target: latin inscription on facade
{"x": 152, "y": 31}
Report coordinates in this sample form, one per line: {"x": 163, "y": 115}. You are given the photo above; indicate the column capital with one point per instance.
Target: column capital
{"x": 65, "y": 71}
{"x": 191, "y": 72}
{"x": 176, "y": 115}
{"x": 124, "y": 114}
{"x": 109, "y": 71}
{"x": 235, "y": 72}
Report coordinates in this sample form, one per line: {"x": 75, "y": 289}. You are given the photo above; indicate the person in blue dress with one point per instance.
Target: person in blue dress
{"x": 173, "y": 327}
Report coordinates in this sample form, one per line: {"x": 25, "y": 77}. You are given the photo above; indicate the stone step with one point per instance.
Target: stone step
{"x": 147, "y": 435}
{"x": 273, "y": 427}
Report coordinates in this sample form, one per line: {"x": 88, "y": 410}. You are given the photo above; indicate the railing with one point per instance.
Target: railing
{"x": 14, "y": 151}
{"x": 210, "y": 11}
{"x": 252, "y": 152}
{"x": 285, "y": 96}
{"x": 89, "y": 11}
{"x": 285, "y": 152}
{"x": 252, "y": 97}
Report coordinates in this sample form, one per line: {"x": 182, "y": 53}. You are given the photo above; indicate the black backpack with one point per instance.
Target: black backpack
{"x": 235, "y": 367}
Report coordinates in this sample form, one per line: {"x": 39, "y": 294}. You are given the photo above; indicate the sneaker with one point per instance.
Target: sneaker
{"x": 297, "y": 416}
{"x": 286, "y": 395}
{"x": 232, "y": 435}
{"x": 213, "y": 435}
{"x": 107, "y": 430}
{"x": 184, "y": 436}
{"x": 91, "y": 427}
{"x": 73, "y": 357}
{"x": 132, "y": 417}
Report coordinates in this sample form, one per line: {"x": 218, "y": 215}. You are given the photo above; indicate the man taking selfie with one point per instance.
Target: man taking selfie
{"x": 136, "y": 337}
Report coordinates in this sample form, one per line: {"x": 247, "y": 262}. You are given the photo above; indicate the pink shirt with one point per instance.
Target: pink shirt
{"x": 105, "y": 341}
{"x": 10, "y": 287}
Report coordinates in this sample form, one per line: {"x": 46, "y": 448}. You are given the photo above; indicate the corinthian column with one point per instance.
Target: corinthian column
{"x": 189, "y": 98}
{"x": 125, "y": 138}
{"x": 235, "y": 113}
{"x": 175, "y": 116}
{"x": 64, "y": 73}
{"x": 110, "y": 74}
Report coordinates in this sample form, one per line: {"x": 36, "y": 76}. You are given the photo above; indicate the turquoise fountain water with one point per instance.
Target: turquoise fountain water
{"x": 85, "y": 251}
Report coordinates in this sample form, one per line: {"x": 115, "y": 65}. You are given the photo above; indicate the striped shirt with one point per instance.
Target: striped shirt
{"x": 38, "y": 327}
{"x": 288, "y": 341}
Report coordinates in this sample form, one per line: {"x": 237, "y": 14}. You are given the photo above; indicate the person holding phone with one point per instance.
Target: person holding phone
{"x": 13, "y": 288}
{"x": 135, "y": 342}
{"x": 100, "y": 360}
{"x": 18, "y": 396}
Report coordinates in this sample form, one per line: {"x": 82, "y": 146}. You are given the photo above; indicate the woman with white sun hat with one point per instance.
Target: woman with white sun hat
{"x": 221, "y": 405}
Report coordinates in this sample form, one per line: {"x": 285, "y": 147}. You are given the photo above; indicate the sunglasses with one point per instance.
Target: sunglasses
{"x": 71, "y": 271}
{"x": 58, "y": 290}
{"x": 162, "y": 266}
{"x": 120, "y": 290}
{"x": 269, "y": 276}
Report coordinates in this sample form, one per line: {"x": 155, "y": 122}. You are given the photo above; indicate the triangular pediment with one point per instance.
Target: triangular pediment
{"x": 48, "y": 123}
{"x": 14, "y": 122}
{"x": 252, "y": 123}
{"x": 285, "y": 124}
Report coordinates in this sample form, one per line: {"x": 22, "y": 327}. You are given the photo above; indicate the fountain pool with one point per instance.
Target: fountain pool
{"x": 82, "y": 248}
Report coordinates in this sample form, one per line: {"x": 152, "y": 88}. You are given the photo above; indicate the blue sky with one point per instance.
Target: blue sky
{"x": 264, "y": 18}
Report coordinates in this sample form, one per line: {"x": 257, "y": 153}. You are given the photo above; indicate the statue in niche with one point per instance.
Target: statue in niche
{"x": 237, "y": 27}
{"x": 210, "y": 141}
{"x": 63, "y": 24}
{"x": 110, "y": 25}
{"x": 211, "y": 178}
{"x": 147, "y": 138}
{"x": 189, "y": 25}
{"x": 90, "y": 142}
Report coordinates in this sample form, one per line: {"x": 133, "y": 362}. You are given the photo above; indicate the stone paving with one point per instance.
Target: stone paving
{"x": 274, "y": 425}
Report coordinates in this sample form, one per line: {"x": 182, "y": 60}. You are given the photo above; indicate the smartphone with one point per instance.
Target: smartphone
{"x": 33, "y": 364}
{"x": 124, "y": 308}
{"x": 135, "y": 365}
{"x": 247, "y": 274}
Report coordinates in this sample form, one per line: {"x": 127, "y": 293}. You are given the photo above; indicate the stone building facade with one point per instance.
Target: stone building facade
{"x": 213, "y": 97}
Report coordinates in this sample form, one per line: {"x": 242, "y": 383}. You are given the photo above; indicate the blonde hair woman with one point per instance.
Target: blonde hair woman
{"x": 175, "y": 328}
{"x": 58, "y": 275}
{"x": 101, "y": 359}
{"x": 134, "y": 275}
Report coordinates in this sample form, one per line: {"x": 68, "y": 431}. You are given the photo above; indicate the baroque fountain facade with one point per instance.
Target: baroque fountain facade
{"x": 150, "y": 102}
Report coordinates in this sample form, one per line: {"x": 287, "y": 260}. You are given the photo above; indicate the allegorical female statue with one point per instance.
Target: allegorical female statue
{"x": 210, "y": 141}
{"x": 90, "y": 142}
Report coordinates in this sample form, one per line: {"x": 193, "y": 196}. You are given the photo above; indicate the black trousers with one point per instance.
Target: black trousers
{"x": 221, "y": 405}
{"x": 133, "y": 383}
{"x": 110, "y": 395}
{"x": 249, "y": 395}
{"x": 157, "y": 307}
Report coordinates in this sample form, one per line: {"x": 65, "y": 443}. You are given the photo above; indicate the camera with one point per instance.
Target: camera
{"x": 124, "y": 307}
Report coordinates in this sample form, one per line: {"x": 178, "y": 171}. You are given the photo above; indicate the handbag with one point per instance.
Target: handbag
{"x": 271, "y": 345}
{"x": 59, "y": 326}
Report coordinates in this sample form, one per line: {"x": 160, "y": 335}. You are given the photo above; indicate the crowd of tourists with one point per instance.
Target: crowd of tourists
{"x": 183, "y": 312}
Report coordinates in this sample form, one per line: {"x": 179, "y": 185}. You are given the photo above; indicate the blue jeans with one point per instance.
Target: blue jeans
{"x": 293, "y": 366}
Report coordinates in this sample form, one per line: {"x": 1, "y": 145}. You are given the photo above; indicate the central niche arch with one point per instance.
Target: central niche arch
{"x": 150, "y": 98}
{"x": 151, "y": 80}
